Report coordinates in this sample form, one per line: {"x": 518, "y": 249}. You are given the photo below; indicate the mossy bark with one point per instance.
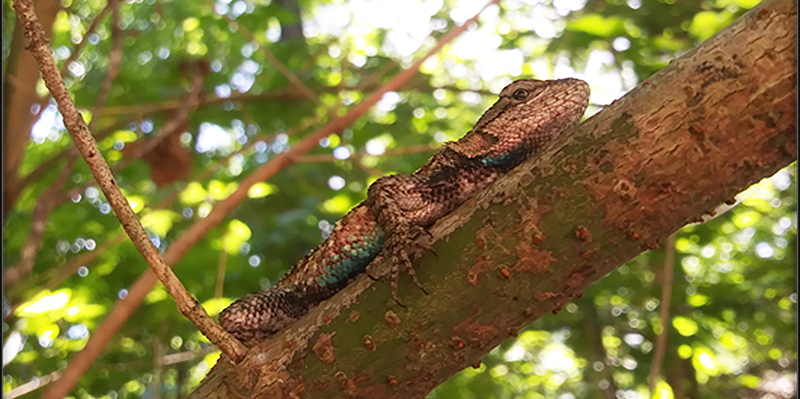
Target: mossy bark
{"x": 713, "y": 122}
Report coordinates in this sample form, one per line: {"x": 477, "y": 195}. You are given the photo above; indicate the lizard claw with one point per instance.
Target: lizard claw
{"x": 396, "y": 247}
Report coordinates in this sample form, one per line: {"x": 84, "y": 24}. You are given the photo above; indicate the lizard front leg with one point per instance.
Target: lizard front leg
{"x": 404, "y": 205}
{"x": 394, "y": 201}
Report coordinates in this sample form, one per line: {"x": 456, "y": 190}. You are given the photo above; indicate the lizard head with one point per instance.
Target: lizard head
{"x": 528, "y": 115}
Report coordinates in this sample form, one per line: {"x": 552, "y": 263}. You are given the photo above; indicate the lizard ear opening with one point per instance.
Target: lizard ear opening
{"x": 474, "y": 144}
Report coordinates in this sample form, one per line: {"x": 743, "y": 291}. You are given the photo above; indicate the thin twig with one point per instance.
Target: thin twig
{"x": 58, "y": 276}
{"x": 170, "y": 128}
{"x": 137, "y": 292}
{"x": 85, "y": 39}
{"x": 165, "y": 360}
{"x": 172, "y": 125}
{"x": 50, "y": 164}
{"x": 76, "y": 51}
{"x": 39, "y": 46}
{"x": 32, "y": 385}
{"x": 666, "y": 295}
{"x": 114, "y": 61}
{"x": 46, "y": 202}
{"x": 15, "y": 189}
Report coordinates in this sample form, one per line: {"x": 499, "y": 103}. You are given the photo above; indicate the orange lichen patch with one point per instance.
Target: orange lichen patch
{"x": 570, "y": 164}
{"x": 583, "y": 234}
{"x": 482, "y": 265}
{"x": 323, "y": 348}
{"x": 505, "y": 272}
{"x": 576, "y": 278}
{"x": 457, "y": 342}
{"x": 532, "y": 260}
{"x": 348, "y": 385}
{"x": 369, "y": 343}
{"x": 472, "y": 278}
{"x": 392, "y": 318}
{"x": 354, "y": 316}
{"x": 475, "y": 332}
{"x": 529, "y": 221}
{"x": 484, "y": 234}
{"x": 543, "y": 296}
{"x": 588, "y": 253}
{"x": 418, "y": 340}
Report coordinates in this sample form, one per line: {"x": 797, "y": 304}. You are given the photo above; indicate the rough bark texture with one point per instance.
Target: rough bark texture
{"x": 703, "y": 129}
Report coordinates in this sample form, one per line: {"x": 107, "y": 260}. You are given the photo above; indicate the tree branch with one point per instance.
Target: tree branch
{"x": 666, "y": 296}
{"x": 48, "y": 200}
{"x": 125, "y": 307}
{"x": 707, "y": 126}
{"x": 39, "y": 46}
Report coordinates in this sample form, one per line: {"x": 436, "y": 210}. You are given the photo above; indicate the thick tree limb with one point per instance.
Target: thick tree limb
{"x": 706, "y": 127}
{"x": 126, "y": 306}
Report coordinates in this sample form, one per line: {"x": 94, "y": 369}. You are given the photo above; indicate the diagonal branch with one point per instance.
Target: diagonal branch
{"x": 42, "y": 103}
{"x": 47, "y": 201}
{"x": 126, "y": 306}
{"x": 628, "y": 177}
{"x": 170, "y": 128}
{"x": 666, "y": 296}
{"x": 39, "y": 46}
{"x": 58, "y": 276}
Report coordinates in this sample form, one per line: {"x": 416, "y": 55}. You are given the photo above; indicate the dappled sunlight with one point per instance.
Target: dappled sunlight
{"x": 732, "y": 313}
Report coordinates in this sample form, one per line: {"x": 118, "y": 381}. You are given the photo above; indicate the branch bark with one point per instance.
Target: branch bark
{"x": 709, "y": 125}
{"x": 126, "y": 306}
{"x": 39, "y": 46}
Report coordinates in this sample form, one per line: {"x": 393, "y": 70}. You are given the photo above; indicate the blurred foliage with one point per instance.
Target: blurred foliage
{"x": 732, "y": 311}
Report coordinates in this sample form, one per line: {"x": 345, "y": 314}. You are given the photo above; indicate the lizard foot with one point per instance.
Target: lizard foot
{"x": 396, "y": 247}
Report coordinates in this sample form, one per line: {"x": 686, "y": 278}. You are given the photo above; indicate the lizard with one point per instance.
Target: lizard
{"x": 528, "y": 115}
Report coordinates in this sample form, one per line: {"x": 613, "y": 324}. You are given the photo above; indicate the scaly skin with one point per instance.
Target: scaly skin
{"x": 529, "y": 115}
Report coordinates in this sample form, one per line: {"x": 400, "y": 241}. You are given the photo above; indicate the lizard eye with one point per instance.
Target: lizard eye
{"x": 520, "y": 94}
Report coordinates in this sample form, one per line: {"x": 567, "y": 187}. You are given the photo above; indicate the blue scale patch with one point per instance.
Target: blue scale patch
{"x": 502, "y": 159}
{"x": 354, "y": 259}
